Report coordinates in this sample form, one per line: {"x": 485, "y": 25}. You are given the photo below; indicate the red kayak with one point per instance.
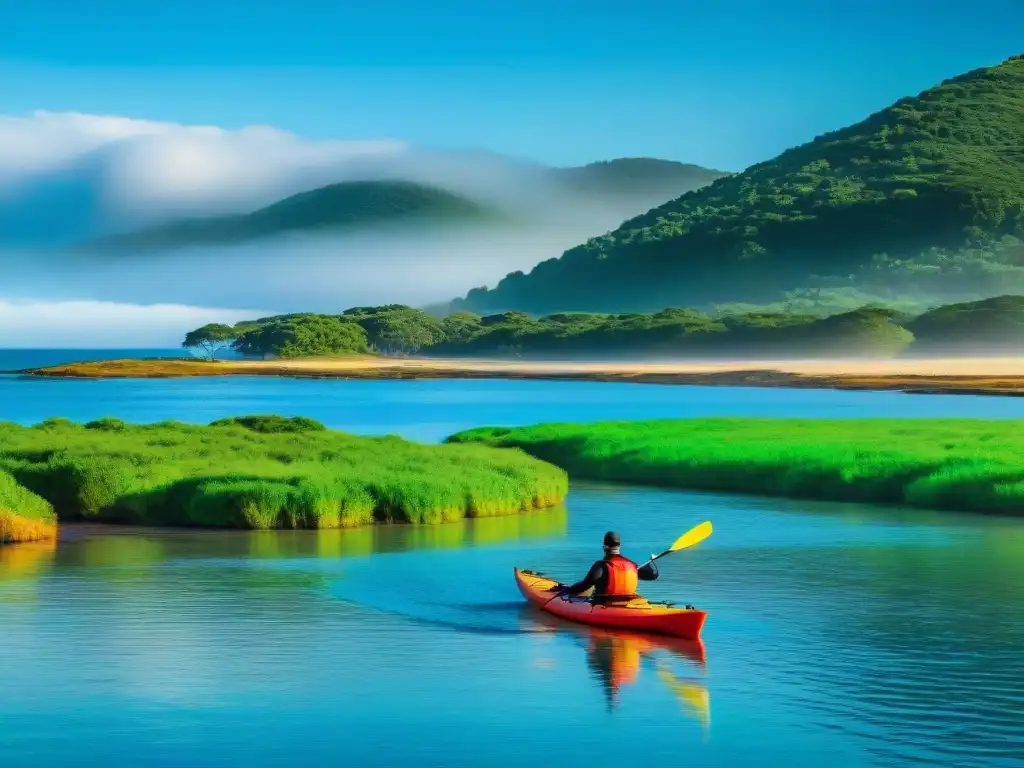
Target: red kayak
{"x": 637, "y": 614}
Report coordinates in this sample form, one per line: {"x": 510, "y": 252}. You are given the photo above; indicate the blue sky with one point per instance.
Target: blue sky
{"x": 722, "y": 84}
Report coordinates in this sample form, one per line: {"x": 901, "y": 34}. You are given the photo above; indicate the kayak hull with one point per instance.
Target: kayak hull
{"x": 638, "y": 614}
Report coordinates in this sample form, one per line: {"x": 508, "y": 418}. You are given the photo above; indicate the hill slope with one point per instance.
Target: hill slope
{"x": 634, "y": 177}
{"x": 349, "y": 205}
{"x": 942, "y": 170}
{"x": 627, "y": 185}
{"x": 977, "y": 328}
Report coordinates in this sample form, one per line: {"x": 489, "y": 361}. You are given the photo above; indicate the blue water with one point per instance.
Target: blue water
{"x": 838, "y": 635}
{"x": 432, "y": 409}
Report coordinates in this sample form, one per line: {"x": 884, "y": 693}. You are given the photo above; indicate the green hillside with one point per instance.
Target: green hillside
{"x": 349, "y": 205}
{"x": 635, "y": 177}
{"x": 994, "y": 325}
{"x": 930, "y": 187}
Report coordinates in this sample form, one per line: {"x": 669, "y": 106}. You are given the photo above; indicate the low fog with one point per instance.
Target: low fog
{"x": 66, "y": 178}
{"x": 98, "y": 324}
{"x": 323, "y": 274}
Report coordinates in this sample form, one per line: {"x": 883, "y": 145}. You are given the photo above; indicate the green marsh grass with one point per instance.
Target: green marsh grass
{"x": 265, "y": 472}
{"x": 956, "y": 464}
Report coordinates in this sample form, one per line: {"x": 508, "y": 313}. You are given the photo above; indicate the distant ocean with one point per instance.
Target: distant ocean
{"x": 19, "y": 359}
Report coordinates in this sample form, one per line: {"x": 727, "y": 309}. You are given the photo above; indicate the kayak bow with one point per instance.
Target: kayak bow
{"x": 637, "y": 614}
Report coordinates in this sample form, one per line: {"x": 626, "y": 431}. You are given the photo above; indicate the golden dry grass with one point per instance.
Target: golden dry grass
{"x": 953, "y": 375}
{"x": 15, "y": 528}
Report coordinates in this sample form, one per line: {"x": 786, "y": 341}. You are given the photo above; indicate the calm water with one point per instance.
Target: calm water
{"x": 431, "y": 410}
{"x": 838, "y": 634}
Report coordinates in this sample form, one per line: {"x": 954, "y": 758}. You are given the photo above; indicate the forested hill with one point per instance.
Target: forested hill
{"x": 344, "y": 206}
{"x": 625, "y": 186}
{"x": 634, "y": 177}
{"x": 922, "y": 188}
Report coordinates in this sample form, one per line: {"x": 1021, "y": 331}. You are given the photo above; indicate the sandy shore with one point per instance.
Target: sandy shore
{"x": 995, "y": 376}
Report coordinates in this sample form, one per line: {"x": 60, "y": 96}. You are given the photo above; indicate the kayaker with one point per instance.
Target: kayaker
{"x": 613, "y": 576}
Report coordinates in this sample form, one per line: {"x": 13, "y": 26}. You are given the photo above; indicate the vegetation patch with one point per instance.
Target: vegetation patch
{"x": 995, "y": 324}
{"x": 956, "y": 464}
{"x": 259, "y": 472}
{"x": 798, "y": 329}
{"x": 272, "y": 424}
{"x": 24, "y": 516}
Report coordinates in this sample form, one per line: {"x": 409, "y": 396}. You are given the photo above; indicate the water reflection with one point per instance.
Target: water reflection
{"x": 107, "y": 545}
{"x": 617, "y": 659}
{"x": 891, "y": 641}
{"x": 21, "y": 566}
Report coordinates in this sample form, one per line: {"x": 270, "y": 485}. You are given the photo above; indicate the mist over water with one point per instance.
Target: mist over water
{"x": 325, "y": 273}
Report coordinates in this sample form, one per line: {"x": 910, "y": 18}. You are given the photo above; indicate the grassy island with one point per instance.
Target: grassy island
{"x": 257, "y": 472}
{"x": 956, "y": 464}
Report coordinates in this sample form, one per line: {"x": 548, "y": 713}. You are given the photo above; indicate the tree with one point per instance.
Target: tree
{"x": 396, "y": 328}
{"x": 210, "y": 338}
{"x": 402, "y": 334}
{"x": 460, "y": 326}
{"x": 303, "y": 336}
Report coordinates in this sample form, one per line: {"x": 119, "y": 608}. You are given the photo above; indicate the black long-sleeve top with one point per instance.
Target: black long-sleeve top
{"x": 597, "y": 577}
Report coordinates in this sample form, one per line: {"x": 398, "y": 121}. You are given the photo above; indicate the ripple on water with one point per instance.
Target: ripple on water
{"x": 836, "y": 635}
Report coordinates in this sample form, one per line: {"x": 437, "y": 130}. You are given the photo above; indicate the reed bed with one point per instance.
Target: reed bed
{"x": 956, "y": 464}
{"x": 265, "y": 472}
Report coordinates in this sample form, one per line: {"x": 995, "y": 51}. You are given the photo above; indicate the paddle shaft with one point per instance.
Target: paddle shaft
{"x": 656, "y": 557}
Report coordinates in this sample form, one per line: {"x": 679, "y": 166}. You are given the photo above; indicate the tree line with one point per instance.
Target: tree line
{"x": 995, "y": 324}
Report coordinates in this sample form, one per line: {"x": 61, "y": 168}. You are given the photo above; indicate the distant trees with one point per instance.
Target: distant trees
{"x": 799, "y": 327}
{"x": 990, "y": 326}
{"x": 397, "y": 329}
{"x": 210, "y": 339}
{"x": 460, "y": 327}
{"x": 303, "y": 336}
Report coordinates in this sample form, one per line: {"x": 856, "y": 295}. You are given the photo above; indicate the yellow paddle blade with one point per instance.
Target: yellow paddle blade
{"x": 693, "y": 536}
{"x": 692, "y": 696}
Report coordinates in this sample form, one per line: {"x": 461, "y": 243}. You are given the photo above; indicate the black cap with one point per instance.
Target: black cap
{"x": 612, "y": 539}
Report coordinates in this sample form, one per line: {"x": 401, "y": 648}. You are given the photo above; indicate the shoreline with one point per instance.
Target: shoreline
{"x": 16, "y": 528}
{"x": 254, "y": 473}
{"x": 952, "y": 376}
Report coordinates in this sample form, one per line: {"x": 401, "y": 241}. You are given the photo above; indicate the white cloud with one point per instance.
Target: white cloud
{"x": 142, "y": 166}
{"x": 92, "y": 324}
{"x": 67, "y": 177}
{"x": 126, "y": 173}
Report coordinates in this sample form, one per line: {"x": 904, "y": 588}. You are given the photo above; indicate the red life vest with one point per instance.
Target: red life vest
{"x": 622, "y": 577}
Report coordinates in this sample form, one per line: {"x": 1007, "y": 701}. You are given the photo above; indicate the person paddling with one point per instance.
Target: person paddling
{"x": 613, "y": 577}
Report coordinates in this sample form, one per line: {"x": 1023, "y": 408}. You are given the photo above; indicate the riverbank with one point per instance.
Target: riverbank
{"x": 255, "y": 472}
{"x": 24, "y": 516}
{"x": 983, "y": 376}
{"x": 962, "y": 465}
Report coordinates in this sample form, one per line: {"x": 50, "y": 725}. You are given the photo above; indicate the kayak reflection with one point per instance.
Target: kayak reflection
{"x": 617, "y": 658}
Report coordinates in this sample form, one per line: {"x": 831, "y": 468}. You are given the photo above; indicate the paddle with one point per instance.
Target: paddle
{"x": 695, "y": 535}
